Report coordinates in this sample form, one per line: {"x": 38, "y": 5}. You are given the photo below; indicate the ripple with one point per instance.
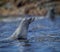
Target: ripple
{"x": 43, "y": 36}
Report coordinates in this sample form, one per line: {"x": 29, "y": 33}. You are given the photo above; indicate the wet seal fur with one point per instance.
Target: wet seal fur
{"x": 51, "y": 14}
{"x": 21, "y": 31}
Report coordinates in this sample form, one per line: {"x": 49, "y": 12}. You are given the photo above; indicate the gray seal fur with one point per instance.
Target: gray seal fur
{"x": 51, "y": 14}
{"x": 21, "y": 31}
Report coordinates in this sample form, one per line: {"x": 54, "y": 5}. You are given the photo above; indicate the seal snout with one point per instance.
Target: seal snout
{"x": 30, "y": 19}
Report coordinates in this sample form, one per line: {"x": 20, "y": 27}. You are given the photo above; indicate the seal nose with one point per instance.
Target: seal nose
{"x": 32, "y": 19}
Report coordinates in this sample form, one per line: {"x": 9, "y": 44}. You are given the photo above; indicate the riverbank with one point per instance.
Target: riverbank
{"x": 23, "y": 7}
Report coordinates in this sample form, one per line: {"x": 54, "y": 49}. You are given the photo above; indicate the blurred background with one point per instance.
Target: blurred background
{"x": 28, "y": 7}
{"x": 43, "y": 33}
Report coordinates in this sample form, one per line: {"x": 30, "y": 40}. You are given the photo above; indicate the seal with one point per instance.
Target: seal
{"x": 51, "y": 14}
{"x": 20, "y": 32}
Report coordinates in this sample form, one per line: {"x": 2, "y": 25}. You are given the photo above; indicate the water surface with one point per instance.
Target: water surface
{"x": 43, "y": 35}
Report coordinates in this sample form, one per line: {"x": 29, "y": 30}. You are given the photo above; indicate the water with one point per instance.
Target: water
{"x": 43, "y": 35}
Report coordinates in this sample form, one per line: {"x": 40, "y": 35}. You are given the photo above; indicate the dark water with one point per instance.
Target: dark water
{"x": 43, "y": 35}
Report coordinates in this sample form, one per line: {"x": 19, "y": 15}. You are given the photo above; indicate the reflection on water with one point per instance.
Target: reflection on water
{"x": 43, "y": 35}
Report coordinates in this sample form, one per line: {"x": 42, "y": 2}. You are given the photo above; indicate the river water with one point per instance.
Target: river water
{"x": 43, "y": 36}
